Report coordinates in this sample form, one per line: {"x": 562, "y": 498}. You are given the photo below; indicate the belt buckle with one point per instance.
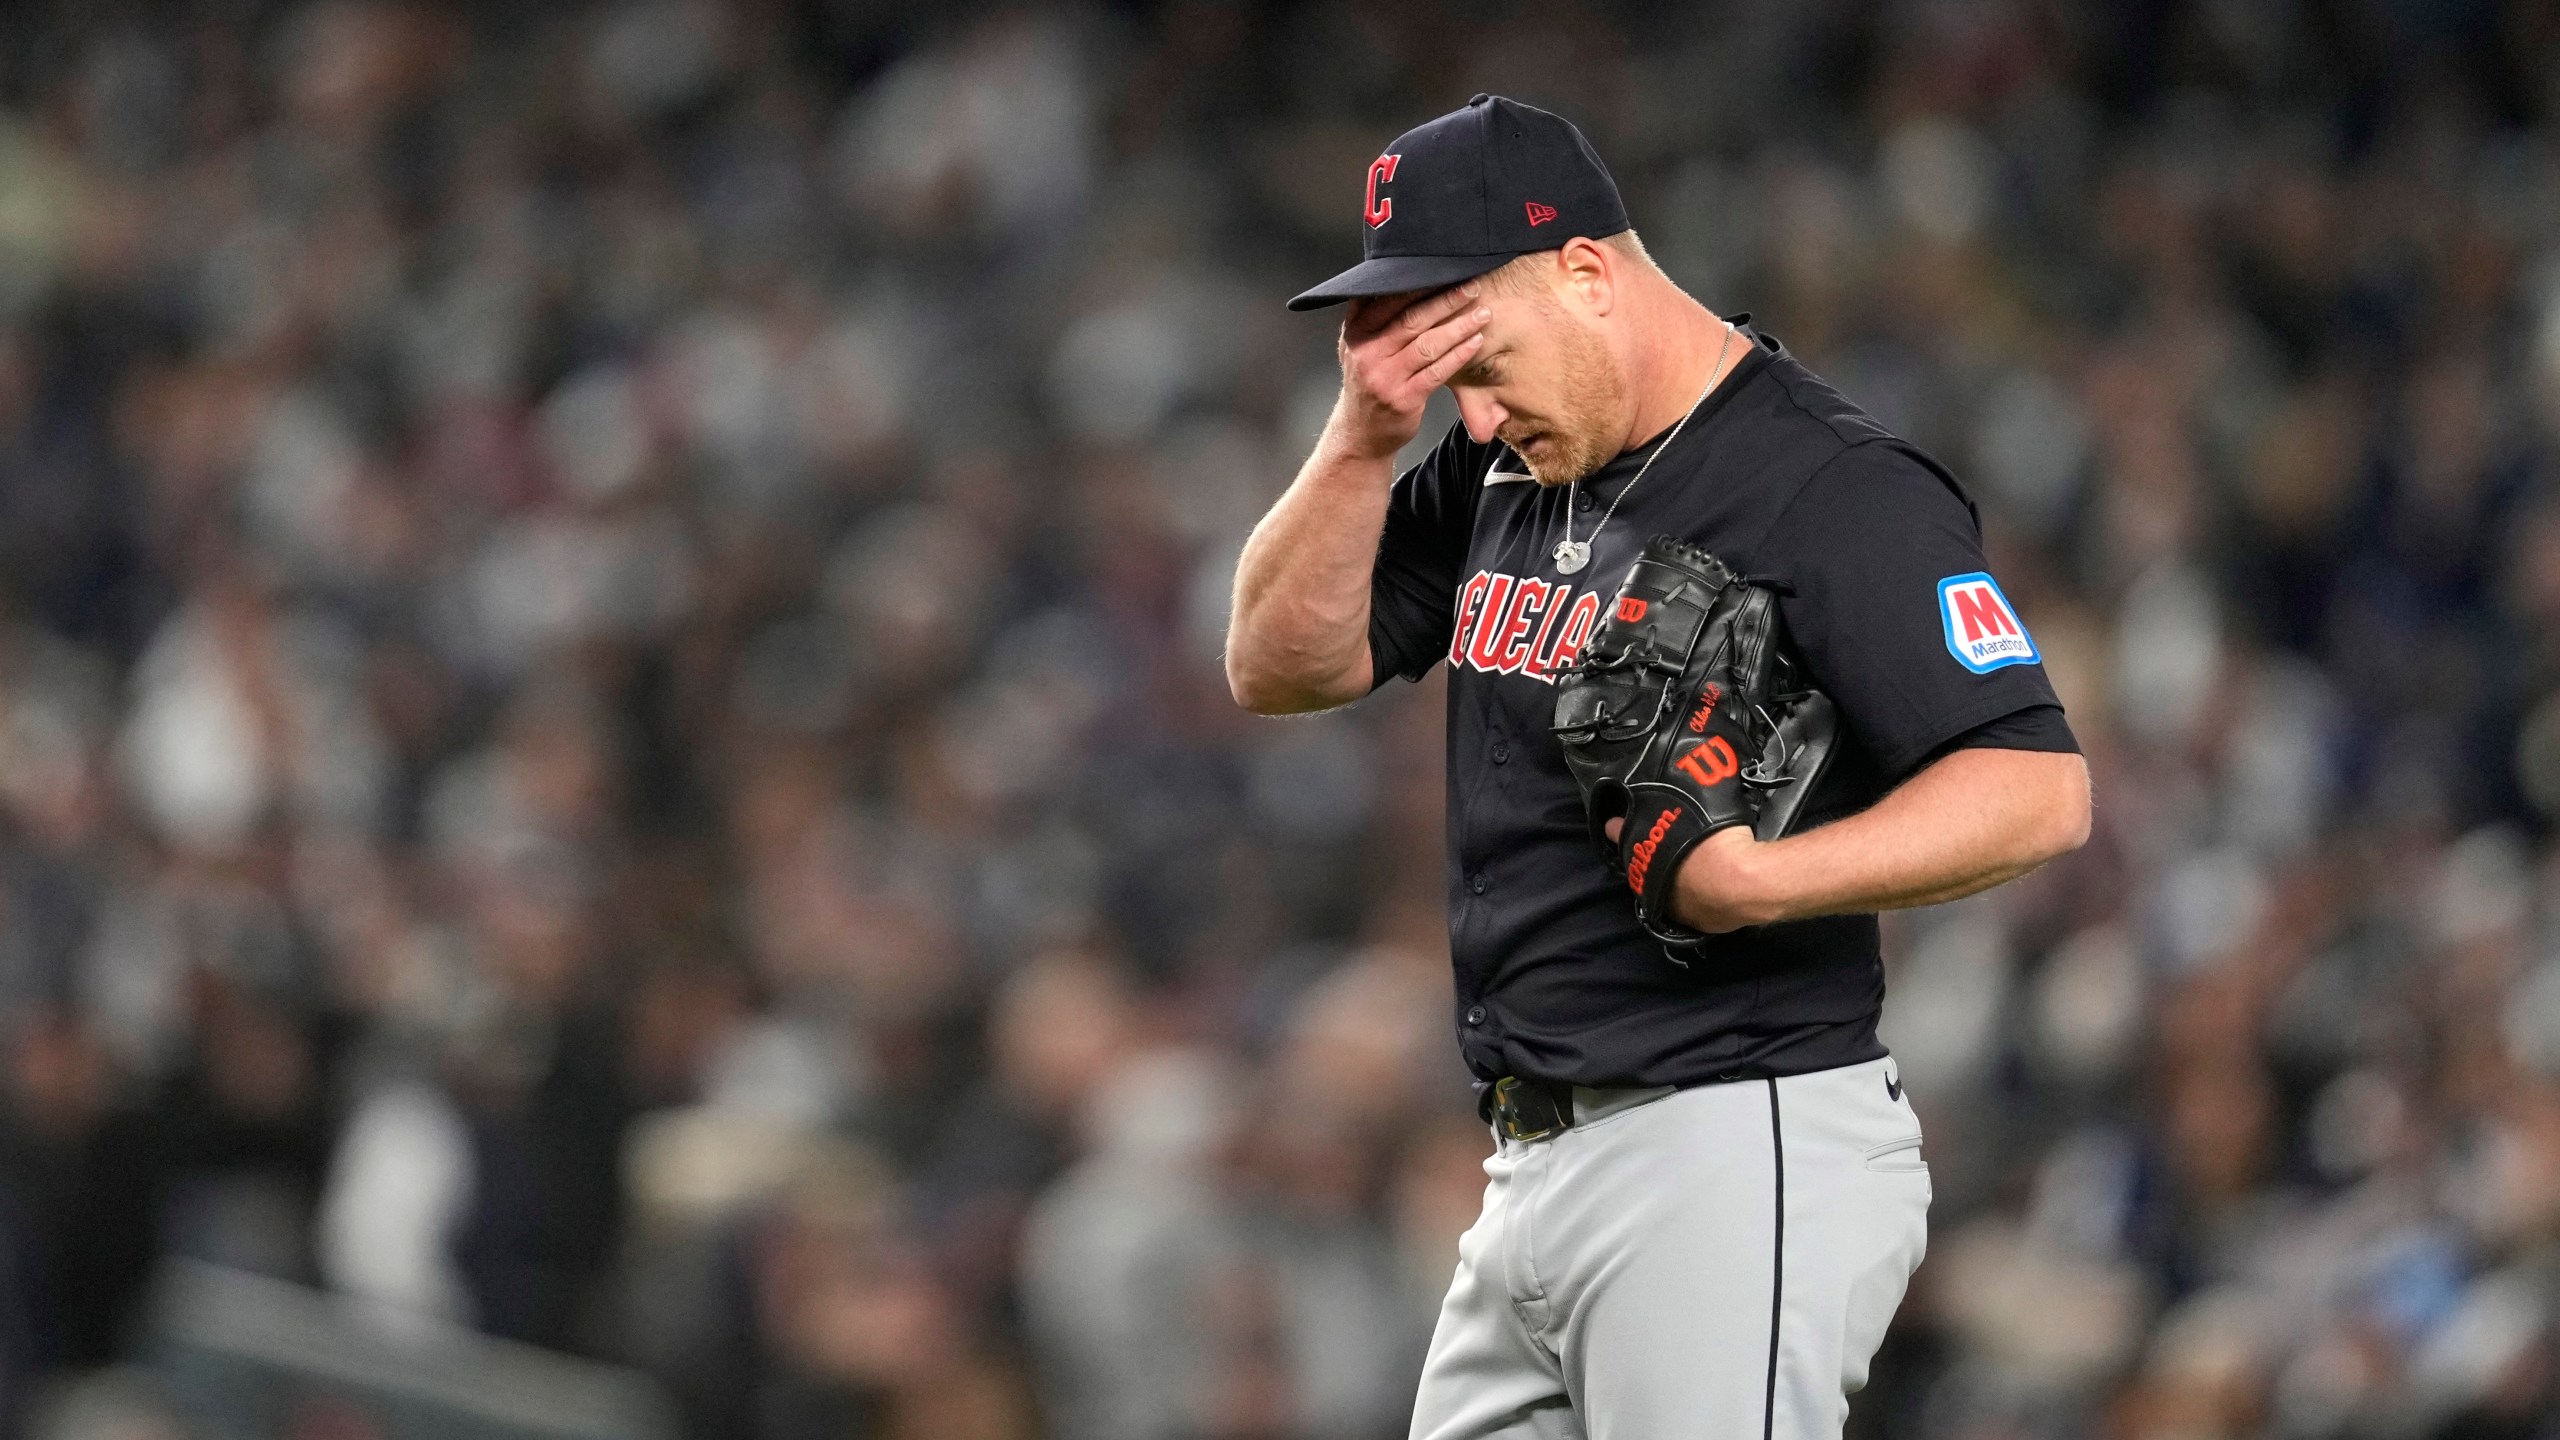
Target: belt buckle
{"x": 1506, "y": 1112}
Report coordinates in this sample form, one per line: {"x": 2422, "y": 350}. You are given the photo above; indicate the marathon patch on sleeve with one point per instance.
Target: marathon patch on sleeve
{"x": 1983, "y": 631}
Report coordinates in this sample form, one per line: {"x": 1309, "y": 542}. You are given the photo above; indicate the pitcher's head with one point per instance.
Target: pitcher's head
{"x": 1551, "y": 378}
{"x": 1514, "y": 198}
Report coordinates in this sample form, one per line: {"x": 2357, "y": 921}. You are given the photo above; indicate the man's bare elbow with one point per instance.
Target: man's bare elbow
{"x": 1257, "y": 694}
{"x": 1263, "y": 692}
{"x": 1278, "y": 680}
{"x": 1249, "y": 687}
{"x": 1249, "y": 676}
{"x": 2069, "y": 813}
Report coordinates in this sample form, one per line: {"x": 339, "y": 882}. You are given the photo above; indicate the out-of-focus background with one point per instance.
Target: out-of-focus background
{"x": 618, "y": 818}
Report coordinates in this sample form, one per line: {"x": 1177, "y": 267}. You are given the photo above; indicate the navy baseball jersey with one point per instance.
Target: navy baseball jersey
{"x": 1888, "y": 601}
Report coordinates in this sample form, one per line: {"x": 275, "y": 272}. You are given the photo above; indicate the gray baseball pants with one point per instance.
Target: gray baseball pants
{"x": 1715, "y": 1263}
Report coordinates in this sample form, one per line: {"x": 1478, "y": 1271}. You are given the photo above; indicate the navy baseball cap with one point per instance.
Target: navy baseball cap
{"x": 1463, "y": 194}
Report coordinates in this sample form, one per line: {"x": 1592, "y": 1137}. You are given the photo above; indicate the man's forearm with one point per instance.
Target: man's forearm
{"x": 1298, "y": 638}
{"x": 1970, "y": 821}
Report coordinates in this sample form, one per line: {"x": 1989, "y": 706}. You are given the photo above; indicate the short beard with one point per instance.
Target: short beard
{"x": 1578, "y": 439}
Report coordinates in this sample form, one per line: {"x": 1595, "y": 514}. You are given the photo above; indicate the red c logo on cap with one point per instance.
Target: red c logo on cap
{"x": 1382, "y": 168}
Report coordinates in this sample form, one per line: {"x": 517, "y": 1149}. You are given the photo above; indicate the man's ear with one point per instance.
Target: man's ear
{"x": 1590, "y": 274}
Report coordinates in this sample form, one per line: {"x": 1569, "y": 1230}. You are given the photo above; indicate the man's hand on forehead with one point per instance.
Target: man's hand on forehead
{"x": 1415, "y": 310}
{"x": 1395, "y": 350}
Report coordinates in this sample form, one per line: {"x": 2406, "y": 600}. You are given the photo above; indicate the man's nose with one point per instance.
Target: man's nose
{"x": 1481, "y": 412}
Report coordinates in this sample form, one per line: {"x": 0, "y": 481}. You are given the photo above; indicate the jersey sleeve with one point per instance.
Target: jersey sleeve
{"x": 2038, "y": 727}
{"x": 1895, "y": 611}
{"x": 1414, "y": 585}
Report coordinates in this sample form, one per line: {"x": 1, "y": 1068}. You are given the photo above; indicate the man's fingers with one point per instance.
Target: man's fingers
{"x": 1437, "y": 373}
{"x": 1376, "y": 314}
{"x": 1433, "y": 356}
{"x": 1398, "y": 366}
{"x": 1431, "y": 309}
{"x": 1437, "y": 342}
{"x": 1372, "y": 314}
{"x": 1416, "y": 310}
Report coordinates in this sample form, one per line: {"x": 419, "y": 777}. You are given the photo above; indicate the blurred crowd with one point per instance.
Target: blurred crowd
{"x": 610, "y": 726}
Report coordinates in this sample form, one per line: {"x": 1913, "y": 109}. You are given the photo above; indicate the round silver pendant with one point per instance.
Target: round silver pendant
{"x": 1572, "y": 555}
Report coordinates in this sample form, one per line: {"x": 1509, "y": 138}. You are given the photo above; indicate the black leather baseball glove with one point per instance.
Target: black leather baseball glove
{"x": 1686, "y": 714}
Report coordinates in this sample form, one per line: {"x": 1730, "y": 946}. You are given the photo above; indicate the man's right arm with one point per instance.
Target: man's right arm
{"x": 1298, "y": 636}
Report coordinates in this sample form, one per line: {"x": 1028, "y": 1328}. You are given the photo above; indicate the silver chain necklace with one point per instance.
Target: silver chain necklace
{"x": 1571, "y": 554}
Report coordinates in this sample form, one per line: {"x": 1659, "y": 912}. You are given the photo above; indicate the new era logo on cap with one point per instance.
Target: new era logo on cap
{"x": 1982, "y": 628}
{"x": 1540, "y": 214}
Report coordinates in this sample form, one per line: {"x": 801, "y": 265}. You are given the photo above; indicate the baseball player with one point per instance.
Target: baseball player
{"x": 1708, "y": 1192}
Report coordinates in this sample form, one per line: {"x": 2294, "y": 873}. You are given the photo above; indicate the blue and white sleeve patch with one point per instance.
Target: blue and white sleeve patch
{"x": 1983, "y": 631}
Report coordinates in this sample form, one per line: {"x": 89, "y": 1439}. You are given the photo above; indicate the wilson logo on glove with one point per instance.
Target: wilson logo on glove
{"x": 1687, "y": 680}
{"x": 1710, "y": 764}
{"x": 1640, "y": 856}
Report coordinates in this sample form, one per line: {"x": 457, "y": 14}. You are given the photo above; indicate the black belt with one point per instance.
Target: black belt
{"x": 1524, "y": 1109}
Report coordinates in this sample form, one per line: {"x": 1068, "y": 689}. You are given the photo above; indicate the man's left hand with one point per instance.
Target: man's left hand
{"x": 1721, "y": 884}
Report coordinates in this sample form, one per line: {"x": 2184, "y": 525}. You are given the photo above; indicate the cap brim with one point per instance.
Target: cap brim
{"x": 1396, "y": 274}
